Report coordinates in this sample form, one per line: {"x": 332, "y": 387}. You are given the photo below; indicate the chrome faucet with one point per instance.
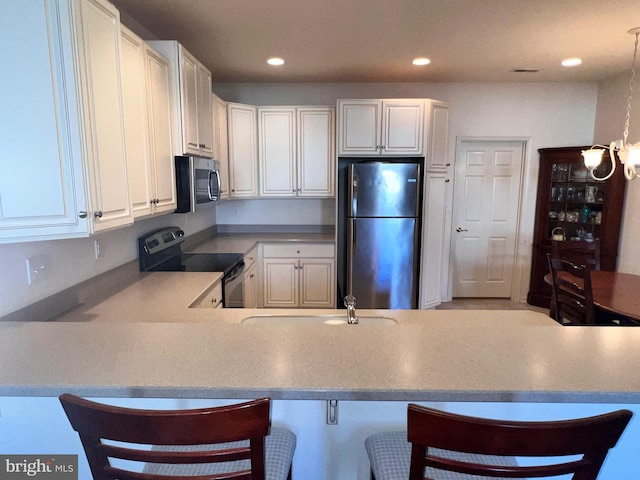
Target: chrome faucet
{"x": 350, "y": 303}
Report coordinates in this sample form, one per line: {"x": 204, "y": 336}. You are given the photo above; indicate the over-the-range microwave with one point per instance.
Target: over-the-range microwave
{"x": 197, "y": 182}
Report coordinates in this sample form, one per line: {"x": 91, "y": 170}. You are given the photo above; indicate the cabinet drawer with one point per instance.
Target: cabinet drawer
{"x": 211, "y": 298}
{"x": 295, "y": 250}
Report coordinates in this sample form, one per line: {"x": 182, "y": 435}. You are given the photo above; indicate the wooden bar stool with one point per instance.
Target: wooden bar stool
{"x": 233, "y": 441}
{"x": 449, "y": 446}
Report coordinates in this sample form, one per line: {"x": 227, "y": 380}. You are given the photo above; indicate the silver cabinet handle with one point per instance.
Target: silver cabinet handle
{"x": 82, "y": 214}
{"x": 460, "y": 229}
{"x": 447, "y": 180}
{"x": 98, "y": 214}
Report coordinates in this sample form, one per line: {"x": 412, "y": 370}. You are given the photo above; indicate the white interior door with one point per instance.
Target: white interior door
{"x": 486, "y": 208}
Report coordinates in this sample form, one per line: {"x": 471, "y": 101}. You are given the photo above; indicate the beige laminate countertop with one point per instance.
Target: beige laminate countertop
{"x": 444, "y": 355}
{"x": 144, "y": 341}
{"x": 242, "y": 243}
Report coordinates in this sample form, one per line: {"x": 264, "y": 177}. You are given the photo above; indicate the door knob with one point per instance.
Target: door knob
{"x": 460, "y": 229}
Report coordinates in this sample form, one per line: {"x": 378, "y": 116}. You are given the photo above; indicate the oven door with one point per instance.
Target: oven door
{"x": 233, "y": 287}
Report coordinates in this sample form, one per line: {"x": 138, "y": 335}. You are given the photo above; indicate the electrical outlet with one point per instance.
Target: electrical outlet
{"x": 38, "y": 269}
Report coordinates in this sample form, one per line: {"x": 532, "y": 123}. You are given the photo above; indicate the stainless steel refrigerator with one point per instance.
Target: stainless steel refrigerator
{"x": 383, "y": 234}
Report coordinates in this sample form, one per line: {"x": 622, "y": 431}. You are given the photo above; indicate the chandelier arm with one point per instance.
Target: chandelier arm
{"x": 607, "y": 176}
{"x": 630, "y": 172}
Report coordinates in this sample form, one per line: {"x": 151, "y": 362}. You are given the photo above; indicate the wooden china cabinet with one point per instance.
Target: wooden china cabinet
{"x": 572, "y": 204}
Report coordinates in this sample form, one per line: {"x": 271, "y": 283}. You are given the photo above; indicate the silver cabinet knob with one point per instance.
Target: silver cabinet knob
{"x": 460, "y": 229}
{"x": 98, "y": 214}
{"x": 82, "y": 214}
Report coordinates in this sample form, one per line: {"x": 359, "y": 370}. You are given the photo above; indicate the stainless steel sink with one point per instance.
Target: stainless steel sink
{"x": 316, "y": 320}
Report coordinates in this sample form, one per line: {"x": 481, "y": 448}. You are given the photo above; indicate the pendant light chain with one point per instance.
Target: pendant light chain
{"x": 631, "y": 81}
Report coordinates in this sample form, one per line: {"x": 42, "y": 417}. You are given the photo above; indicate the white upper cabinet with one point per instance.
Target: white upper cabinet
{"x": 134, "y": 104}
{"x": 438, "y": 138}
{"x": 316, "y": 151}
{"x": 221, "y": 142}
{"x": 242, "y": 127}
{"x": 162, "y": 178}
{"x": 277, "y": 151}
{"x": 191, "y": 100}
{"x": 381, "y": 127}
{"x": 147, "y": 114}
{"x": 205, "y": 114}
{"x": 66, "y": 105}
{"x": 296, "y": 150}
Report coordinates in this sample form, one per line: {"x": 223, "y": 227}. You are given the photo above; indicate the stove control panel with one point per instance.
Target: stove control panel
{"x": 162, "y": 239}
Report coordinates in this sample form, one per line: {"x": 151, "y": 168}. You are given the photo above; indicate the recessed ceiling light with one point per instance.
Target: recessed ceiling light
{"x": 571, "y": 62}
{"x": 275, "y": 61}
{"x": 421, "y": 61}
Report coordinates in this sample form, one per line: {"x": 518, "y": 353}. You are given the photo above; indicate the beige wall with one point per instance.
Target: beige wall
{"x": 609, "y": 126}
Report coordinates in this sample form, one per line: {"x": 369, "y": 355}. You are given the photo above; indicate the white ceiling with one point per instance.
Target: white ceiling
{"x": 375, "y": 40}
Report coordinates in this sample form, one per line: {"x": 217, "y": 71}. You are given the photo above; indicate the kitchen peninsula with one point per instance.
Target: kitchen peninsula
{"x": 501, "y": 363}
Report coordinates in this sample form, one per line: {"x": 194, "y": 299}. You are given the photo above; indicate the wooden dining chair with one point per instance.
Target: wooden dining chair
{"x": 578, "y": 252}
{"x": 233, "y": 441}
{"x": 438, "y": 442}
{"x": 572, "y": 293}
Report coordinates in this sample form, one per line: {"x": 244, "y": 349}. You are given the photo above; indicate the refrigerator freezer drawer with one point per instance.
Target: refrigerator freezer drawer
{"x": 382, "y": 262}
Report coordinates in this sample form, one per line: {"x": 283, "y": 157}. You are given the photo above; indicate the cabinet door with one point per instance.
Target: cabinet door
{"x": 251, "y": 287}
{"x": 315, "y": 149}
{"x": 280, "y": 282}
{"x": 437, "y": 158}
{"x": 317, "y": 283}
{"x": 160, "y": 131}
{"x": 189, "y": 92}
{"x": 134, "y": 104}
{"x": 433, "y": 238}
{"x": 205, "y": 118}
{"x": 220, "y": 142}
{"x": 104, "y": 124}
{"x": 402, "y": 127}
{"x": 243, "y": 153}
{"x": 277, "y": 152}
{"x": 43, "y": 195}
{"x": 359, "y": 127}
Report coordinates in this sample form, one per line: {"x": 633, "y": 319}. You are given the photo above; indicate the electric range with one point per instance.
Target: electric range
{"x": 161, "y": 251}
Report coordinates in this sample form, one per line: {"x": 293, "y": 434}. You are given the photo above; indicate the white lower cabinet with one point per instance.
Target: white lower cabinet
{"x": 250, "y": 279}
{"x": 210, "y": 298}
{"x": 433, "y": 239}
{"x": 73, "y": 182}
{"x": 298, "y": 275}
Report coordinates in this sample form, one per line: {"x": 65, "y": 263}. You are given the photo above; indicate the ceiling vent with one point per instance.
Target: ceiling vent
{"x": 524, "y": 70}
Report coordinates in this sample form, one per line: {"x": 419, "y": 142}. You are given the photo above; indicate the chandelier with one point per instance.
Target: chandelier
{"x": 629, "y": 154}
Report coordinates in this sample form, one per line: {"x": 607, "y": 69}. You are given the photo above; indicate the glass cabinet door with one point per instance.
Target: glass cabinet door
{"x": 575, "y": 203}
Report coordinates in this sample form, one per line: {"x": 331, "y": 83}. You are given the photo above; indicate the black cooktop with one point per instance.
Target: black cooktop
{"x": 161, "y": 251}
{"x": 199, "y": 262}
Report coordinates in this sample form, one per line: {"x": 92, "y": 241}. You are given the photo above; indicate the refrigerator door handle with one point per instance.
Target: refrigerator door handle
{"x": 354, "y": 195}
{"x": 351, "y": 248}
